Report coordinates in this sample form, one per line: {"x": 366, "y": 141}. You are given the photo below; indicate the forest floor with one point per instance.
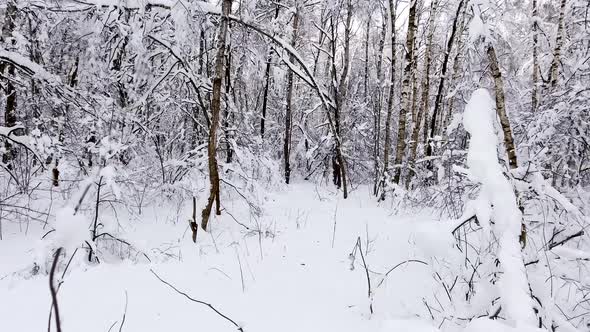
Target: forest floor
{"x": 295, "y": 275}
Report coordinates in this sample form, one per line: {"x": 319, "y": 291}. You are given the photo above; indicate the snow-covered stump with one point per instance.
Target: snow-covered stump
{"x": 502, "y": 209}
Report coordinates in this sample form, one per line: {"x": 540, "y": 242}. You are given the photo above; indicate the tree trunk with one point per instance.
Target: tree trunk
{"x": 8, "y": 71}
{"x": 366, "y": 75}
{"x": 215, "y": 110}
{"x": 441, "y": 84}
{"x": 534, "y": 98}
{"x": 501, "y": 107}
{"x": 227, "y": 112}
{"x": 425, "y": 91}
{"x": 288, "y": 112}
{"x": 267, "y": 82}
{"x": 387, "y": 142}
{"x": 406, "y": 87}
{"x": 338, "y": 162}
{"x": 378, "y": 105}
{"x": 554, "y": 71}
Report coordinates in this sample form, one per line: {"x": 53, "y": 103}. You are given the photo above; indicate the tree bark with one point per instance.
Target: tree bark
{"x": 215, "y": 110}
{"x": 501, "y": 107}
{"x": 267, "y": 81}
{"x": 554, "y": 71}
{"x": 8, "y": 70}
{"x": 406, "y": 87}
{"x": 443, "y": 74}
{"x": 425, "y": 105}
{"x": 379, "y": 104}
{"x": 338, "y": 162}
{"x": 387, "y": 142}
{"x": 535, "y": 93}
{"x": 288, "y": 111}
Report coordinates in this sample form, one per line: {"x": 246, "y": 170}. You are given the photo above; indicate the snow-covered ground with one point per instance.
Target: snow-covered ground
{"x": 293, "y": 276}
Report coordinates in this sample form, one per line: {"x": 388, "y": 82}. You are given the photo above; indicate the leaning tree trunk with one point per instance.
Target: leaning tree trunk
{"x": 215, "y": 109}
{"x": 554, "y": 71}
{"x": 387, "y": 139}
{"x": 441, "y": 83}
{"x": 535, "y": 94}
{"x": 425, "y": 91}
{"x": 406, "y": 87}
{"x": 288, "y": 111}
{"x": 501, "y": 106}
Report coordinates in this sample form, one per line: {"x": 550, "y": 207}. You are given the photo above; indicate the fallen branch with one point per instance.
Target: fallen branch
{"x": 198, "y": 301}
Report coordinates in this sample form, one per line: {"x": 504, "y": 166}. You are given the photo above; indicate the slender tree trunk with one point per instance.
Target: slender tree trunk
{"x": 501, "y": 107}
{"x": 267, "y": 81}
{"x": 338, "y": 162}
{"x": 227, "y": 110}
{"x": 387, "y": 142}
{"x": 534, "y": 99}
{"x": 423, "y": 109}
{"x": 406, "y": 87}
{"x": 289, "y": 112}
{"x": 8, "y": 70}
{"x": 443, "y": 75}
{"x": 366, "y": 75}
{"x": 215, "y": 110}
{"x": 554, "y": 71}
{"x": 457, "y": 73}
{"x": 379, "y": 104}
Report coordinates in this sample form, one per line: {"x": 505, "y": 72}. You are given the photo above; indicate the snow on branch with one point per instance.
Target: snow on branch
{"x": 28, "y": 67}
{"x": 482, "y": 160}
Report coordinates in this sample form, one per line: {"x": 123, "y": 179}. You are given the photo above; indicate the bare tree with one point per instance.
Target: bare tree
{"x": 288, "y": 110}
{"x": 215, "y": 110}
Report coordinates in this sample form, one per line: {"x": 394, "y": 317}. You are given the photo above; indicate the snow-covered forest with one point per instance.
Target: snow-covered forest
{"x": 295, "y": 165}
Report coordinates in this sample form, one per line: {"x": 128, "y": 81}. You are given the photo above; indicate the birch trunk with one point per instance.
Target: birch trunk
{"x": 425, "y": 91}
{"x": 387, "y": 142}
{"x": 215, "y": 110}
{"x": 501, "y": 107}
{"x": 405, "y": 97}
{"x": 554, "y": 71}
{"x": 534, "y": 99}
{"x": 379, "y": 104}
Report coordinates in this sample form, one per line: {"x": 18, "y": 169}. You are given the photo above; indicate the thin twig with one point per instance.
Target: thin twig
{"x": 124, "y": 313}
{"x": 397, "y": 265}
{"x": 198, "y": 301}
{"x": 53, "y": 289}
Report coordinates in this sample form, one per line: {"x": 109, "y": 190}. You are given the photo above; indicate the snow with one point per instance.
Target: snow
{"x": 291, "y": 277}
{"x": 483, "y": 164}
{"x": 34, "y": 69}
{"x": 71, "y": 230}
